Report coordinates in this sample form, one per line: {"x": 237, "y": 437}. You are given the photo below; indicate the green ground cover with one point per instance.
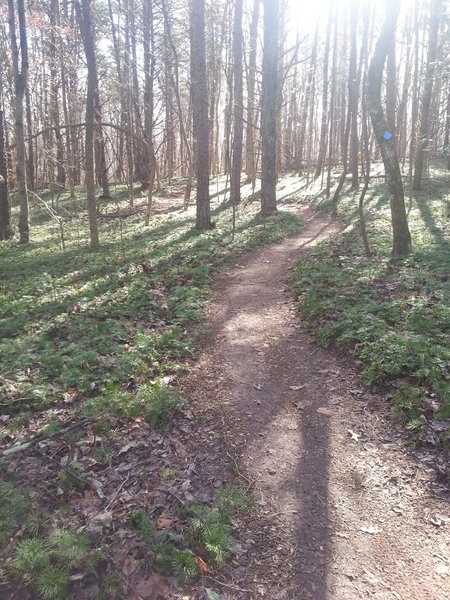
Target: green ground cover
{"x": 93, "y": 339}
{"x": 98, "y": 323}
{"x": 392, "y": 315}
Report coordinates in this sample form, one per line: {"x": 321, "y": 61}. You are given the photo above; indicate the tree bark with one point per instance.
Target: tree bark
{"x": 149, "y": 69}
{"x": 250, "y": 162}
{"x": 54, "y": 90}
{"x": 5, "y": 208}
{"x": 323, "y": 128}
{"x": 238, "y": 113}
{"x": 401, "y": 237}
{"x": 20, "y": 74}
{"x": 87, "y": 34}
{"x": 269, "y": 107}
{"x": 427, "y": 93}
{"x": 353, "y": 96}
{"x": 200, "y": 113}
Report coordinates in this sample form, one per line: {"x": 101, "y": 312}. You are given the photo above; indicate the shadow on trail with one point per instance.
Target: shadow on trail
{"x": 272, "y": 389}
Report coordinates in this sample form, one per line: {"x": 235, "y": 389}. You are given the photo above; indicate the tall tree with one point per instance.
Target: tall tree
{"x": 323, "y": 129}
{"x": 424, "y": 135}
{"x": 401, "y": 244}
{"x": 85, "y": 19}
{"x": 269, "y": 107}
{"x": 238, "y": 112}
{"x": 199, "y": 93}
{"x": 54, "y": 48}
{"x": 250, "y": 162}
{"x": 5, "y": 211}
{"x": 149, "y": 70}
{"x": 20, "y": 74}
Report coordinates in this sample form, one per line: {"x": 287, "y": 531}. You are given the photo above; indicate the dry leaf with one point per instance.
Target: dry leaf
{"x": 104, "y": 518}
{"x": 442, "y": 570}
{"x": 164, "y": 523}
{"x": 129, "y": 566}
{"x": 296, "y": 387}
{"x": 203, "y": 566}
{"x": 152, "y": 587}
{"x": 98, "y": 488}
{"x": 323, "y": 410}
{"x": 370, "y": 529}
{"x": 354, "y": 436}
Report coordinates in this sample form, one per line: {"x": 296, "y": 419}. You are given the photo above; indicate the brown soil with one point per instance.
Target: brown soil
{"x": 345, "y": 511}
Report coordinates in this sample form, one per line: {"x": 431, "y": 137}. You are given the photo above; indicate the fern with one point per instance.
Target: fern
{"x": 52, "y": 584}
{"x": 31, "y": 556}
{"x": 184, "y": 565}
{"x": 69, "y": 548}
{"x": 140, "y": 521}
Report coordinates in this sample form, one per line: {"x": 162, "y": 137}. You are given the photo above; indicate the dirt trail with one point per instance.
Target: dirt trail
{"x": 330, "y": 474}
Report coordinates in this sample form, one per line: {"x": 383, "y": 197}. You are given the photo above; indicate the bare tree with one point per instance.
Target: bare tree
{"x": 200, "y": 112}
{"x": 238, "y": 113}
{"x": 269, "y": 107}
{"x": 5, "y": 210}
{"x": 149, "y": 69}
{"x": 323, "y": 128}
{"x": 250, "y": 162}
{"x": 20, "y": 73}
{"x": 85, "y": 19}
{"x": 401, "y": 237}
{"x": 427, "y": 93}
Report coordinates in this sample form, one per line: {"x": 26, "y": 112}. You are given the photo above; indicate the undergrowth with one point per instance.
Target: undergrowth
{"x": 206, "y": 538}
{"x": 392, "y": 315}
{"x": 90, "y": 324}
{"x": 99, "y": 336}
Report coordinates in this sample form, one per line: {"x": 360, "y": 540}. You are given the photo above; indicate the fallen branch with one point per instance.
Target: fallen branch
{"x": 43, "y": 436}
{"x": 228, "y": 585}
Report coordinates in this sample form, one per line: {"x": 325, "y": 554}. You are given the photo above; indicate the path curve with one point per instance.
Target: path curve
{"x": 330, "y": 475}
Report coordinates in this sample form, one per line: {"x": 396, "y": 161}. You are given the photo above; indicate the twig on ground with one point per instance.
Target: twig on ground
{"x": 182, "y": 502}
{"x": 113, "y": 499}
{"x": 42, "y": 436}
{"x": 227, "y": 585}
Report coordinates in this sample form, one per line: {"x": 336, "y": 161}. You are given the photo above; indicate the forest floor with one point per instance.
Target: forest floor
{"x": 348, "y": 513}
{"x": 157, "y": 429}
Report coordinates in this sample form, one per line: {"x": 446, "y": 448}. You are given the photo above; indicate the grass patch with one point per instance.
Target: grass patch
{"x": 47, "y": 563}
{"x": 393, "y": 316}
{"x": 100, "y": 323}
{"x": 101, "y": 334}
{"x": 207, "y": 535}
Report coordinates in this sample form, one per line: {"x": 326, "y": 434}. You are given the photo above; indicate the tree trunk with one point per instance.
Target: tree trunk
{"x": 175, "y": 83}
{"x": 238, "y": 113}
{"x": 200, "y": 113}
{"x": 54, "y": 90}
{"x": 447, "y": 129}
{"x": 5, "y": 209}
{"x": 250, "y": 162}
{"x": 401, "y": 236}
{"x": 427, "y": 93}
{"x": 269, "y": 107}
{"x": 353, "y": 95}
{"x": 323, "y": 129}
{"x": 87, "y": 34}
{"x": 149, "y": 69}
{"x": 31, "y": 172}
{"x": 20, "y": 74}
{"x": 307, "y": 101}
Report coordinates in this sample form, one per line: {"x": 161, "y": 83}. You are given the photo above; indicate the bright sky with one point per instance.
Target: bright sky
{"x": 306, "y": 12}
